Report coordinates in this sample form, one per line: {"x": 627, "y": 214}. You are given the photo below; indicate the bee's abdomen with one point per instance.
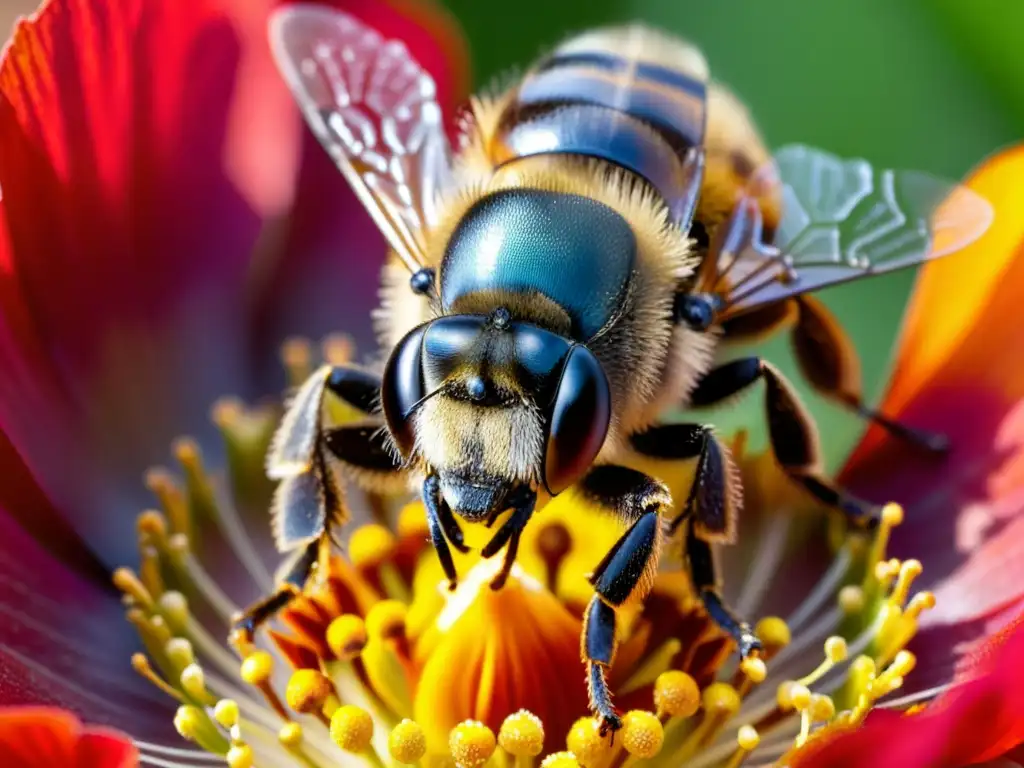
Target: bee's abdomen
{"x": 631, "y": 96}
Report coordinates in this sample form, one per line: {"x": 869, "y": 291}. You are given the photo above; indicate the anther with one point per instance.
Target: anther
{"x": 257, "y": 668}
{"x": 290, "y": 735}
{"x": 471, "y": 743}
{"x": 851, "y": 600}
{"x": 836, "y": 649}
{"x": 188, "y": 720}
{"x": 909, "y": 571}
{"x": 307, "y": 690}
{"x": 352, "y": 728}
{"x": 407, "y": 743}
{"x": 193, "y": 681}
{"x": 642, "y": 733}
{"x": 179, "y": 652}
{"x": 240, "y": 756}
{"x": 297, "y": 357}
{"x": 338, "y": 349}
{"x": 585, "y": 741}
{"x": 774, "y": 635}
{"x": 919, "y": 603}
{"x": 370, "y": 545}
{"x": 721, "y": 699}
{"x": 748, "y": 738}
{"x": 346, "y": 636}
{"x": 821, "y": 709}
{"x": 152, "y": 525}
{"x": 162, "y": 484}
{"x": 126, "y": 581}
{"x": 226, "y": 713}
{"x": 676, "y": 694}
{"x": 754, "y": 668}
{"x": 522, "y": 734}
{"x": 141, "y": 665}
{"x": 560, "y": 760}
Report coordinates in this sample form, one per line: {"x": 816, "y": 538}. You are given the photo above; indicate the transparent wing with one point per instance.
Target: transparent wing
{"x": 375, "y": 111}
{"x": 841, "y": 220}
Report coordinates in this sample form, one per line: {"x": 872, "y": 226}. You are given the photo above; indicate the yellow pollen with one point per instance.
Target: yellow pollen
{"x": 748, "y": 738}
{"x": 676, "y": 694}
{"x": 522, "y": 734}
{"x": 642, "y": 733}
{"x": 240, "y": 756}
{"x": 822, "y": 708}
{"x": 352, "y": 728}
{"x": 471, "y": 743}
{"x": 851, "y": 600}
{"x": 370, "y": 545}
{"x": 257, "y": 668}
{"x": 412, "y": 521}
{"x": 226, "y": 713}
{"x": 721, "y": 699}
{"x": 836, "y": 649}
{"x": 774, "y": 634}
{"x": 179, "y": 651}
{"x": 793, "y": 695}
{"x": 560, "y": 760}
{"x": 290, "y": 735}
{"x": 346, "y": 636}
{"x": 187, "y": 721}
{"x": 193, "y": 681}
{"x": 386, "y": 619}
{"x": 307, "y": 690}
{"x": 585, "y": 741}
{"x": 892, "y": 515}
{"x": 755, "y": 669}
{"x": 407, "y": 743}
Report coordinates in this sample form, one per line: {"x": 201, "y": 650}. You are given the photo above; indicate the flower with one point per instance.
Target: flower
{"x": 37, "y": 737}
{"x": 139, "y": 261}
{"x": 952, "y": 376}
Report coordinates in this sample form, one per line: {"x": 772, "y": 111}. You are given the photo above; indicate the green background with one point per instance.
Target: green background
{"x": 934, "y": 85}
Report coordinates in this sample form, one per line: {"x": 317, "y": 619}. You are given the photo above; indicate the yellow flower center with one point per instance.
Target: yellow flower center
{"x": 376, "y": 661}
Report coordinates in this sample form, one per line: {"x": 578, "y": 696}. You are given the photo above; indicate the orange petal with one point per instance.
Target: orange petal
{"x": 43, "y": 737}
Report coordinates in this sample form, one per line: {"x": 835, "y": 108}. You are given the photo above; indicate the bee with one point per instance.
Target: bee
{"x": 560, "y": 280}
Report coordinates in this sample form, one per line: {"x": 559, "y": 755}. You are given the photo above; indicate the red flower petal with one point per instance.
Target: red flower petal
{"x": 39, "y": 737}
{"x": 325, "y": 274}
{"x": 958, "y": 372}
{"x": 64, "y": 642}
{"x": 978, "y": 721}
{"x": 123, "y": 245}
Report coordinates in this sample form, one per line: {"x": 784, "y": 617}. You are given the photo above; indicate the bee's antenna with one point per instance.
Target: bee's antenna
{"x": 415, "y": 406}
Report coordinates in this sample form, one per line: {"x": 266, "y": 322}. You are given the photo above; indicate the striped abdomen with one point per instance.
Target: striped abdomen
{"x": 630, "y": 95}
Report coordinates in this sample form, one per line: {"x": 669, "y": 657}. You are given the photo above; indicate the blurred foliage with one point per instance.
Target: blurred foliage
{"x": 929, "y": 84}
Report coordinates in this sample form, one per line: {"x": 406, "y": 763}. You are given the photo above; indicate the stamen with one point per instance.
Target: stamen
{"x": 747, "y": 740}
{"x": 676, "y": 695}
{"x": 471, "y": 743}
{"x": 720, "y": 702}
{"x": 770, "y": 551}
{"x": 193, "y": 725}
{"x": 835, "y": 652}
{"x": 256, "y": 671}
{"x": 226, "y": 713}
{"x": 522, "y": 736}
{"x": 338, "y": 349}
{"x": 307, "y": 691}
{"x": 352, "y": 729}
{"x": 126, "y": 581}
{"x": 297, "y": 357}
{"x": 162, "y": 484}
{"x": 642, "y": 733}
{"x": 407, "y": 742}
{"x": 586, "y": 742}
{"x": 141, "y": 665}
{"x": 560, "y": 760}
{"x": 346, "y": 636}
{"x": 823, "y": 590}
{"x": 240, "y": 756}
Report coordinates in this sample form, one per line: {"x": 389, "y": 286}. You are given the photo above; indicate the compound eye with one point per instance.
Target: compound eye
{"x": 402, "y": 387}
{"x": 579, "y": 420}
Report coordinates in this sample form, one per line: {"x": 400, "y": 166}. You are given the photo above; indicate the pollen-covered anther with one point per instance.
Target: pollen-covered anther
{"x": 193, "y": 681}
{"x": 307, "y": 690}
{"x": 892, "y": 515}
{"x": 188, "y": 720}
{"x": 290, "y": 735}
{"x": 754, "y": 668}
{"x": 471, "y": 744}
{"x": 240, "y": 756}
{"x": 560, "y": 760}
{"x": 129, "y": 583}
{"x": 851, "y": 600}
{"x": 821, "y": 708}
{"x": 179, "y": 652}
{"x": 642, "y": 733}
{"x": 748, "y": 738}
{"x": 225, "y": 712}
{"x": 774, "y": 635}
{"x": 721, "y": 700}
{"x": 370, "y": 546}
{"x": 386, "y": 620}
{"x": 919, "y": 603}
{"x": 908, "y": 572}
{"x": 586, "y": 743}
{"x": 352, "y": 728}
{"x": 793, "y": 695}
{"x": 676, "y": 694}
{"x": 346, "y": 636}
{"x": 407, "y": 742}
{"x": 257, "y": 668}
{"x": 151, "y": 526}
{"x": 522, "y": 734}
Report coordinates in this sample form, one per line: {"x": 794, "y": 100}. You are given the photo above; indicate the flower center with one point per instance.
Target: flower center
{"x": 377, "y": 660}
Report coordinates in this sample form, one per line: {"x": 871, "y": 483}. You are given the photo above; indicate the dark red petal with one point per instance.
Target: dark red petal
{"x": 124, "y": 245}
{"x": 979, "y": 720}
{"x": 64, "y": 642}
{"x": 958, "y": 373}
{"x": 323, "y": 272}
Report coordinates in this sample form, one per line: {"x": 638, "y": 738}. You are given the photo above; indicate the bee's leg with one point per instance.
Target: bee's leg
{"x": 794, "y": 438}
{"x": 443, "y": 528}
{"x": 700, "y": 560}
{"x": 709, "y": 512}
{"x": 829, "y": 361}
{"x": 523, "y": 502}
{"x": 291, "y": 583}
{"x": 626, "y": 573}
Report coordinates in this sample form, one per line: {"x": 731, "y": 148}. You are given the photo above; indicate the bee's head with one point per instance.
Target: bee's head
{"x": 491, "y": 404}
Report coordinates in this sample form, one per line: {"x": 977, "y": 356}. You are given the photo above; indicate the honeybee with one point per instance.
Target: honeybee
{"x": 561, "y": 280}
